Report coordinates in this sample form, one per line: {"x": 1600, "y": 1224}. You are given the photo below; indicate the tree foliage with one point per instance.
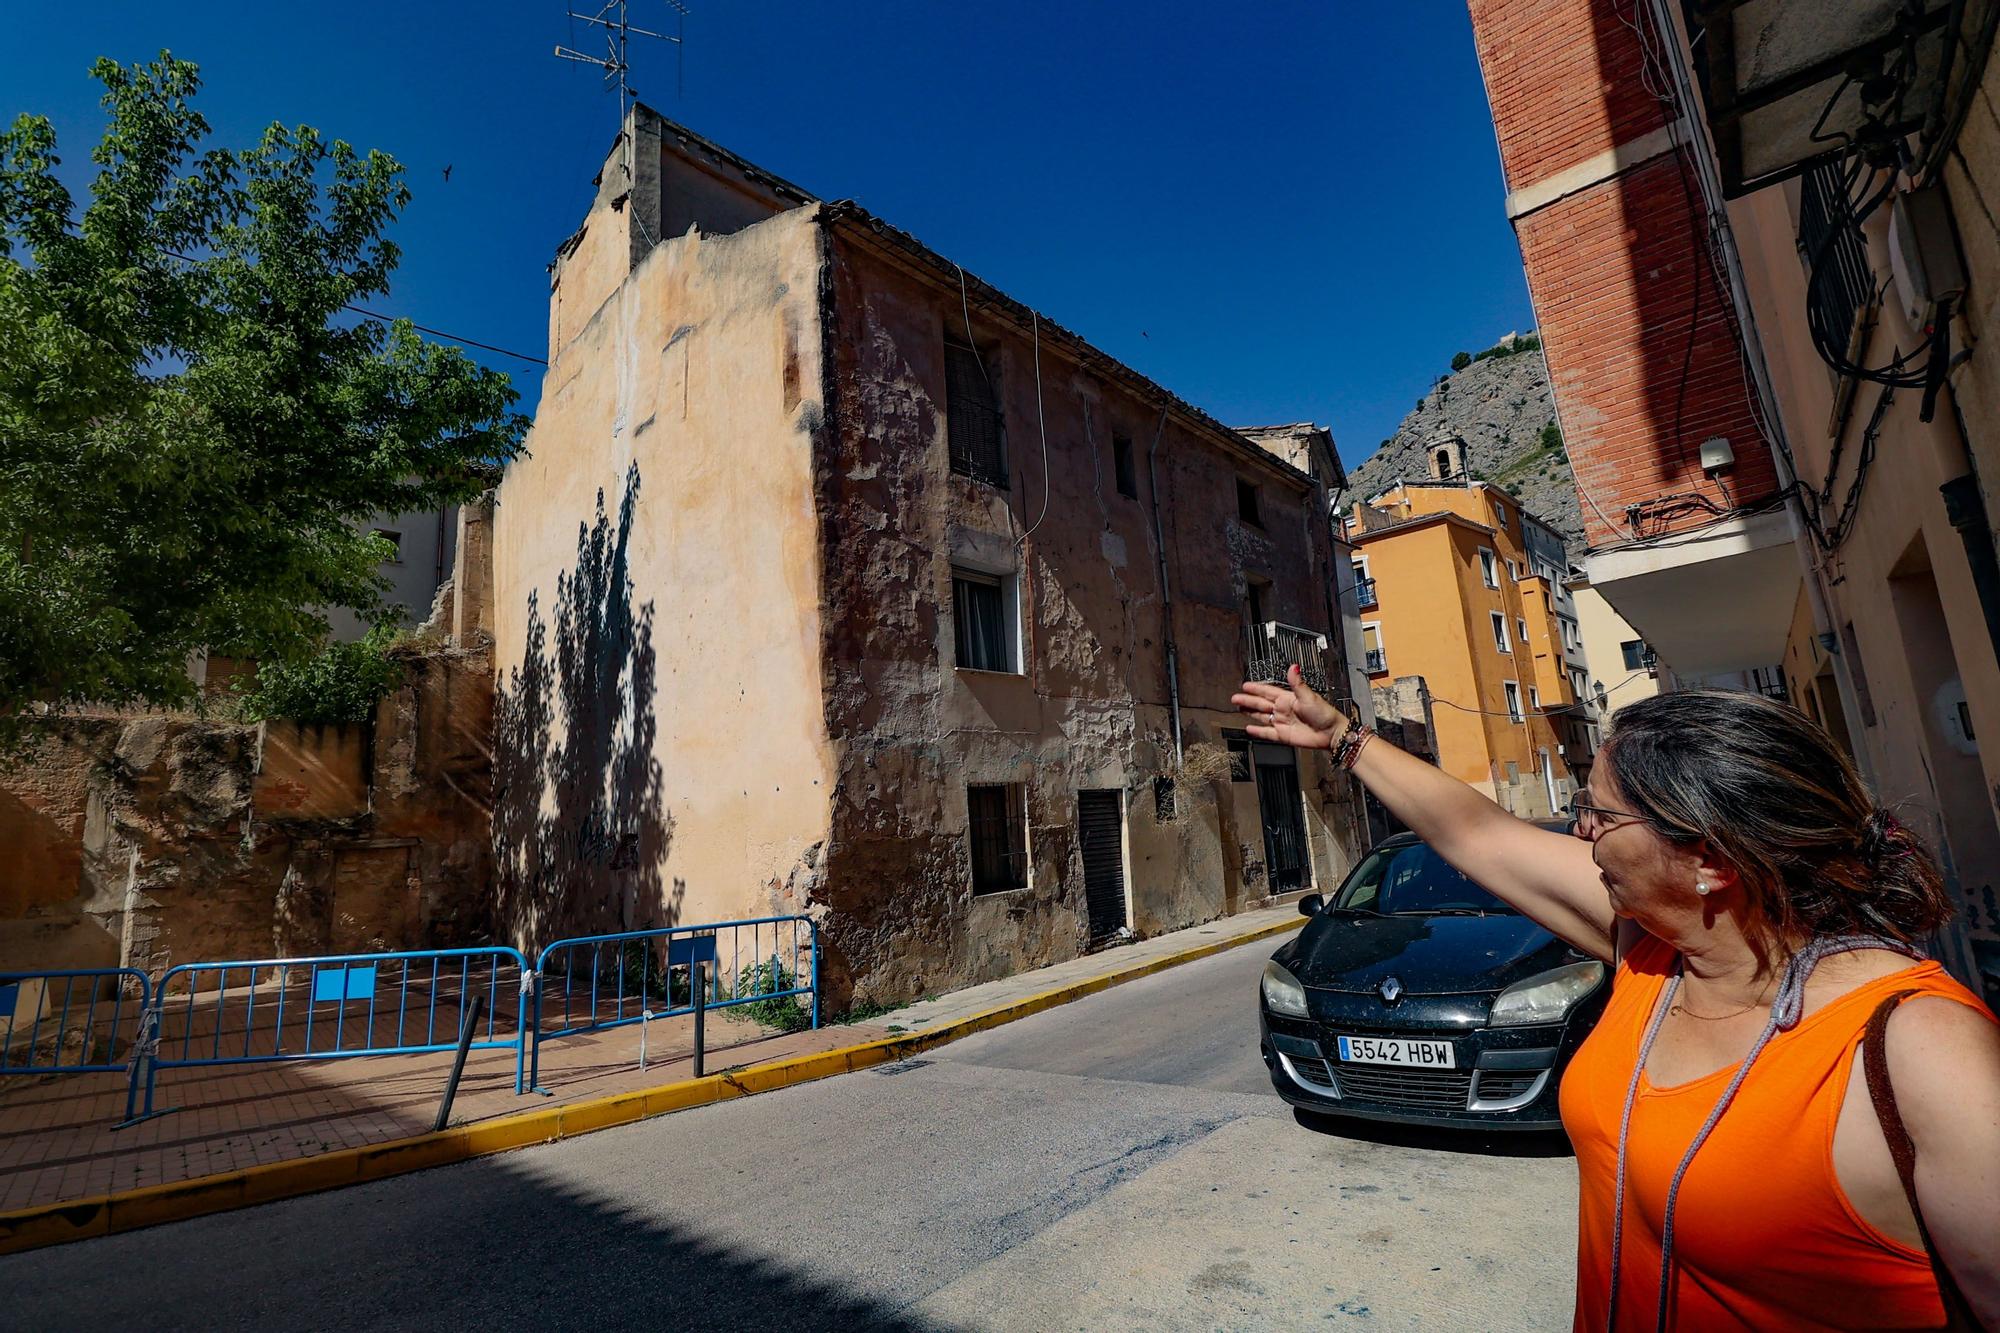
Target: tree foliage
{"x": 1460, "y": 360}
{"x": 193, "y": 427}
{"x": 341, "y": 683}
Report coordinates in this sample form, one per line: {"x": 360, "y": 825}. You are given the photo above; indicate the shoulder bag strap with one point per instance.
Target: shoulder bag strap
{"x": 1875, "y": 1048}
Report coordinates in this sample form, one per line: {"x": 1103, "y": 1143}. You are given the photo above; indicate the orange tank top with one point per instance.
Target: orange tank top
{"x": 1764, "y": 1237}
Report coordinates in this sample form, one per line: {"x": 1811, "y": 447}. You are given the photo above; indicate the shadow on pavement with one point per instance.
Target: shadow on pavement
{"x": 487, "y": 1245}
{"x": 1515, "y": 1143}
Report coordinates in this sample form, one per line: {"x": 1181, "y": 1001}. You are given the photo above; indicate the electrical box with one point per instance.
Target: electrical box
{"x": 1923, "y": 252}
{"x": 1717, "y": 455}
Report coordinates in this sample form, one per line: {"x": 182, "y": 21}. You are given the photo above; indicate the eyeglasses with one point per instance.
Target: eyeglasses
{"x": 1589, "y": 821}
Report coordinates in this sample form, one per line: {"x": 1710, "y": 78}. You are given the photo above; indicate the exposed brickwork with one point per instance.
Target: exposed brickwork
{"x": 1563, "y": 78}
{"x": 1620, "y": 276}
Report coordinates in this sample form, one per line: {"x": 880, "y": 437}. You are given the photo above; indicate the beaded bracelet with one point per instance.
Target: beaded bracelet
{"x": 1348, "y": 749}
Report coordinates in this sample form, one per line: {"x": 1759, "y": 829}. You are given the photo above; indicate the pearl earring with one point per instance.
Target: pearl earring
{"x": 1701, "y": 887}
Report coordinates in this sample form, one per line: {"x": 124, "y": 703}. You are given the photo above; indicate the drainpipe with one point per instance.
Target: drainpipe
{"x": 1166, "y": 587}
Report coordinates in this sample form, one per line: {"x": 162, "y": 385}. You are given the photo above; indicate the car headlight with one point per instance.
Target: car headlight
{"x": 1546, "y": 997}
{"x": 1282, "y": 992}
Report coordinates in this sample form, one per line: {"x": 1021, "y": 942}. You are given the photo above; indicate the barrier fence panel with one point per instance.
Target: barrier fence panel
{"x": 337, "y": 1007}
{"x": 75, "y": 1021}
{"x": 609, "y": 981}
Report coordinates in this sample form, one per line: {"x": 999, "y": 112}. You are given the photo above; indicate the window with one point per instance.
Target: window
{"x": 1364, "y": 586}
{"x": 1121, "y": 460}
{"x": 1514, "y": 701}
{"x": 997, "y": 828}
{"x": 1488, "y": 570}
{"x": 1635, "y": 654}
{"x": 1500, "y": 633}
{"x": 1246, "y": 502}
{"x": 982, "y": 621}
{"x": 1371, "y": 646}
{"x": 1513, "y": 772}
{"x": 1522, "y": 625}
{"x": 1576, "y": 682}
{"x": 1534, "y": 696}
{"x": 973, "y": 425}
{"x": 1500, "y": 512}
{"x": 1239, "y": 756}
{"x": 395, "y": 540}
{"x": 1513, "y": 572}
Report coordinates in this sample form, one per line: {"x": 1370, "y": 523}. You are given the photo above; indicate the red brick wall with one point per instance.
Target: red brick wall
{"x": 1563, "y": 78}
{"x": 1620, "y": 275}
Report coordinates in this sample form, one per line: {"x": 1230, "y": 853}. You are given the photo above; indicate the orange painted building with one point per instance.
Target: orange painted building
{"x": 1452, "y": 597}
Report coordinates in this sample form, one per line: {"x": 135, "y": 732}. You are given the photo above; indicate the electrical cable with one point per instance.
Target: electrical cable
{"x": 1041, "y": 418}
{"x": 1543, "y": 712}
{"x": 375, "y": 315}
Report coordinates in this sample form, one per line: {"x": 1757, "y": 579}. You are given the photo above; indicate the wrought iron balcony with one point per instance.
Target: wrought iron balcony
{"x": 1275, "y": 648}
{"x": 1364, "y": 593}
{"x": 1378, "y": 661}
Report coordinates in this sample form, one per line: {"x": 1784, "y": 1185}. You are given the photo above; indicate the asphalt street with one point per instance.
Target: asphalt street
{"x": 1117, "y": 1163}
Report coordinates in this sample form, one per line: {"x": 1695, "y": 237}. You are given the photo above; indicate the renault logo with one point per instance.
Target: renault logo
{"x": 1392, "y": 989}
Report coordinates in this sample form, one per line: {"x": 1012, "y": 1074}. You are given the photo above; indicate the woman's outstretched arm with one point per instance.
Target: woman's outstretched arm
{"x": 1546, "y": 876}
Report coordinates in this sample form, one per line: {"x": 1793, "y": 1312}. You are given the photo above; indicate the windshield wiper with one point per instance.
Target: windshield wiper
{"x": 1356, "y": 911}
{"x": 1451, "y": 911}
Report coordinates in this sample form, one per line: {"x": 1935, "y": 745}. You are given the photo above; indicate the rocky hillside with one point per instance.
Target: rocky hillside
{"x": 1499, "y": 405}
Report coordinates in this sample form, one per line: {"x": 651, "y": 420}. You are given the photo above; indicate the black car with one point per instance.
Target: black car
{"x": 1418, "y": 996}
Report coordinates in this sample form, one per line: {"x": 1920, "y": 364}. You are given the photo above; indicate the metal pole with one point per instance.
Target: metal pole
{"x": 465, "y": 1030}
{"x": 698, "y": 978}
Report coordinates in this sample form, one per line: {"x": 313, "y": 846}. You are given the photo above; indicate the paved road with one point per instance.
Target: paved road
{"x": 1119, "y": 1163}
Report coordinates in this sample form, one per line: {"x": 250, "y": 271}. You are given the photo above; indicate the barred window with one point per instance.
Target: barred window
{"x": 973, "y": 425}
{"x": 997, "y": 827}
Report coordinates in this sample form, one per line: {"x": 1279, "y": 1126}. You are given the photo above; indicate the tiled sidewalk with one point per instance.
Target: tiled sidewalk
{"x": 58, "y": 1142}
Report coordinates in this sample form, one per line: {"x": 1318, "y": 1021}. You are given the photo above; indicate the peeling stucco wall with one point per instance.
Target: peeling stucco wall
{"x": 1091, "y": 709}
{"x": 661, "y": 755}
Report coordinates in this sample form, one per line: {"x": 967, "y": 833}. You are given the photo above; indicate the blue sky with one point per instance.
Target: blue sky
{"x": 1287, "y": 213}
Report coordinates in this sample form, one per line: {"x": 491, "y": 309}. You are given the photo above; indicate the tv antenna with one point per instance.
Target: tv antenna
{"x": 618, "y": 32}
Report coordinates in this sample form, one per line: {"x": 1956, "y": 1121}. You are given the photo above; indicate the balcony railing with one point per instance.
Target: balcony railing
{"x": 1378, "y": 661}
{"x": 1275, "y": 648}
{"x": 1364, "y": 593}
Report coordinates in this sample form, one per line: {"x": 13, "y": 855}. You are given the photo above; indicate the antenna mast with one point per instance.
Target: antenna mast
{"x": 618, "y": 31}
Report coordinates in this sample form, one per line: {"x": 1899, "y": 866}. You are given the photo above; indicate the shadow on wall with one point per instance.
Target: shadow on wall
{"x": 579, "y": 833}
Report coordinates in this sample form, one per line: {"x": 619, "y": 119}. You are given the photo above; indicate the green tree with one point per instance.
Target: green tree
{"x": 192, "y": 425}
{"x": 1461, "y": 360}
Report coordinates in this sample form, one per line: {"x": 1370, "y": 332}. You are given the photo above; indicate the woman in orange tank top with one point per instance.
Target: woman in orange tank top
{"x": 1785, "y": 1118}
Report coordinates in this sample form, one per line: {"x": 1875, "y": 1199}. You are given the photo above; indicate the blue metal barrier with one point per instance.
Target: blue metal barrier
{"x": 338, "y": 1007}
{"x": 609, "y": 981}
{"x": 108, "y": 1025}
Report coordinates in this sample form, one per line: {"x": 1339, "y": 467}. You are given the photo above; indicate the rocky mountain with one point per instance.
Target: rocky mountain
{"x": 1499, "y": 404}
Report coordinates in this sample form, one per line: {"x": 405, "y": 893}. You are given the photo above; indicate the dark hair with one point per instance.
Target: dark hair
{"x": 1769, "y": 790}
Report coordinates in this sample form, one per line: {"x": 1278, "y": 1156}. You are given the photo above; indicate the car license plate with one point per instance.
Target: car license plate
{"x": 1397, "y": 1051}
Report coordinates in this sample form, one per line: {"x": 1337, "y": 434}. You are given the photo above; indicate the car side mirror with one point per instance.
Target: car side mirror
{"x": 1311, "y": 905}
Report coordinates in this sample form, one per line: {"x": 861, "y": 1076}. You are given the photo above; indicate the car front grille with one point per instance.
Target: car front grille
{"x": 1417, "y": 1089}
{"x": 1505, "y": 1085}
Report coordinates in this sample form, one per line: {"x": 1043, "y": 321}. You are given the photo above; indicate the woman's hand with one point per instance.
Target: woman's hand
{"x": 1292, "y": 714}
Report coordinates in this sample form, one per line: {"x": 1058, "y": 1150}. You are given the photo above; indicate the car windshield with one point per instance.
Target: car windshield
{"x": 1412, "y": 880}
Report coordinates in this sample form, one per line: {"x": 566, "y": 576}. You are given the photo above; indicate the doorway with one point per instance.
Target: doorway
{"x": 1100, "y": 824}
{"x": 1280, "y": 807}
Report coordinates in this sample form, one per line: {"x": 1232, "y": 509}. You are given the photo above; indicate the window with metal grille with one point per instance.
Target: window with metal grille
{"x": 1246, "y": 502}
{"x": 1842, "y": 284}
{"x": 973, "y": 425}
{"x": 1128, "y": 474}
{"x": 997, "y": 828}
{"x": 979, "y": 613}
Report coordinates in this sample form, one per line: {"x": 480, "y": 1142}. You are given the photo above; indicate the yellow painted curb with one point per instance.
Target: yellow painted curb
{"x": 80, "y": 1219}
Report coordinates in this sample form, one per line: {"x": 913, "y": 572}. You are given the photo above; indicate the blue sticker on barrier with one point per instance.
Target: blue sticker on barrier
{"x": 9, "y": 997}
{"x": 344, "y": 983}
{"x": 690, "y": 949}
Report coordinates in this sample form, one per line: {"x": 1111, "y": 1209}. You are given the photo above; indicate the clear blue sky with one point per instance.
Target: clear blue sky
{"x": 1298, "y": 202}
